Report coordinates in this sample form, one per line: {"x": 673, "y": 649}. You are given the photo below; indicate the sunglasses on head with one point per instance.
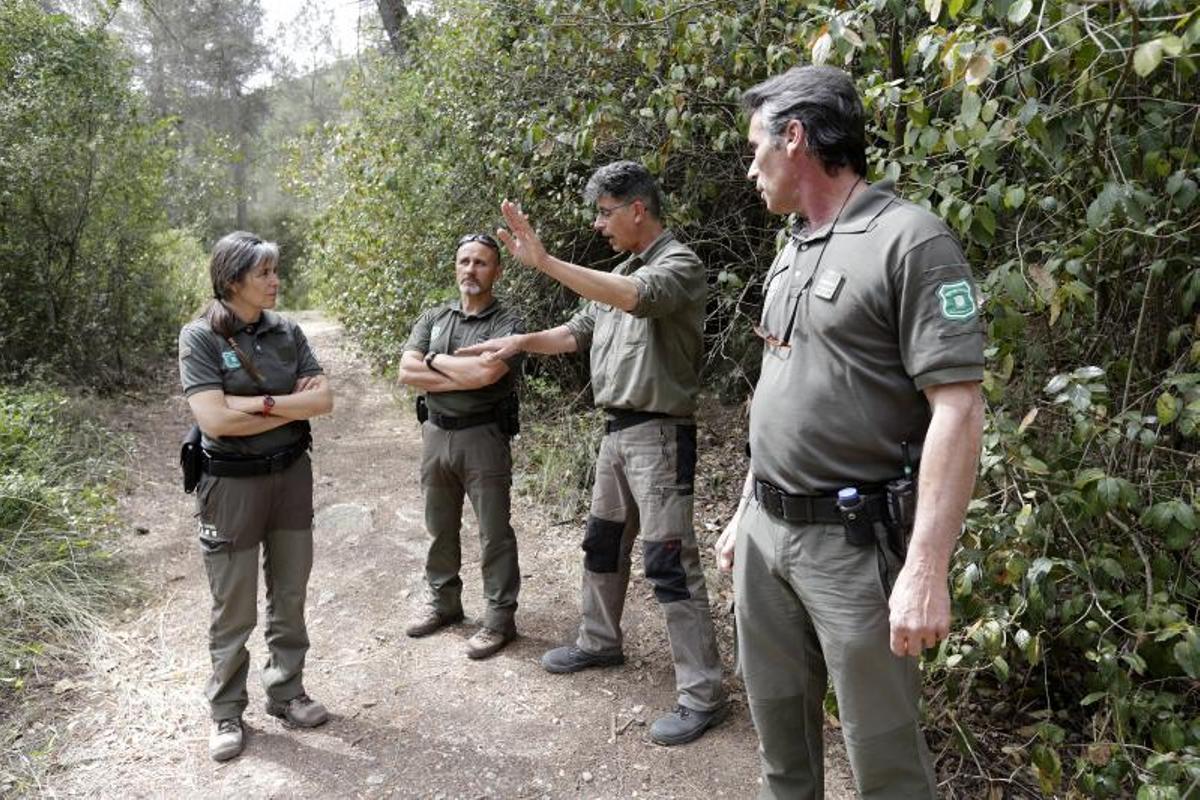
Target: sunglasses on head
{"x": 483, "y": 238}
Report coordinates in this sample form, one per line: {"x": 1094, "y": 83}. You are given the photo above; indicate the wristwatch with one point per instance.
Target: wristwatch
{"x": 429, "y": 362}
{"x": 268, "y": 404}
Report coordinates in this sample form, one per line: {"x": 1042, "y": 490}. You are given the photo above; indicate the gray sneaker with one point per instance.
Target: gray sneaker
{"x": 685, "y": 724}
{"x": 571, "y": 659}
{"x": 226, "y": 739}
{"x": 299, "y": 712}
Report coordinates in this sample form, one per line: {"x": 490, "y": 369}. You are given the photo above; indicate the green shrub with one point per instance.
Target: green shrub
{"x": 56, "y": 573}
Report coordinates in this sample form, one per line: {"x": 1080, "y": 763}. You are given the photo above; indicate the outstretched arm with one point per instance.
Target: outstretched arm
{"x": 550, "y": 342}
{"x": 525, "y": 246}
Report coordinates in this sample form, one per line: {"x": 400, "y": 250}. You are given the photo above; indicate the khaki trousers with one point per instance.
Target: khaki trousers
{"x": 644, "y": 483}
{"x": 811, "y": 608}
{"x": 476, "y": 463}
{"x": 236, "y": 515}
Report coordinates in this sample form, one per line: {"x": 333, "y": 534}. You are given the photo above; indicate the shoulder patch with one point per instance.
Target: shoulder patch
{"x": 185, "y": 351}
{"x": 958, "y": 300}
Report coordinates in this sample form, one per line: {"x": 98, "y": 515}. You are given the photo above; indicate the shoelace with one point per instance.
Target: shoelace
{"x": 302, "y": 699}
{"x": 229, "y": 726}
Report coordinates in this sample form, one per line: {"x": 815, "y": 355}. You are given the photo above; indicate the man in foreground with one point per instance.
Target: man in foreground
{"x": 643, "y": 329}
{"x": 468, "y": 413}
{"x": 872, "y": 362}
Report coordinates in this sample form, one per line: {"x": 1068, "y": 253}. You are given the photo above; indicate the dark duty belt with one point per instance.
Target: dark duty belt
{"x": 235, "y": 467}
{"x": 810, "y": 509}
{"x": 458, "y": 423}
{"x": 620, "y": 418}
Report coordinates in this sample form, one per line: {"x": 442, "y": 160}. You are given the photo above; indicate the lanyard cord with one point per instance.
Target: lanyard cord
{"x": 787, "y": 334}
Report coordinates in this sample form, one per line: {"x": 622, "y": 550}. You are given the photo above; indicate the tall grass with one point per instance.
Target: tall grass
{"x": 56, "y": 470}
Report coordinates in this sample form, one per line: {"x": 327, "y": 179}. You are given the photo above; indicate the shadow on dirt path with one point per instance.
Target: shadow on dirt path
{"x": 410, "y": 718}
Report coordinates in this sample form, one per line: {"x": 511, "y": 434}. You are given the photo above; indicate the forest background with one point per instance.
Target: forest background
{"x": 1059, "y": 139}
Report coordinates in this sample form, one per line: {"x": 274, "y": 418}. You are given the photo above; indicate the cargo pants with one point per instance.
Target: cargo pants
{"x": 811, "y": 608}
{"x": 477, "y": 463}
{"x": 237, "y": 515}
{"x": 644, "y": 483}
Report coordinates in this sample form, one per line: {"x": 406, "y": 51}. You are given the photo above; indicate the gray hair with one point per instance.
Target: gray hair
{"x": 625, "y": 181}
{"x": 232, "y": 257}
{"x": 825, "y": 101}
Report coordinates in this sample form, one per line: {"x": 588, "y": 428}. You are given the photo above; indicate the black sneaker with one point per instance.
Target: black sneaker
{"x": 685, "y": 724}
{"x": 226, "y": 739}
{"x": 572, "y": 659}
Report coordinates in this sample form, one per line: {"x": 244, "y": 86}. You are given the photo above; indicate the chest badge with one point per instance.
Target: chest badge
{"x": 434, "y": 333}
{"x": 828, "y": 284}
{"x": 231, "y": 360}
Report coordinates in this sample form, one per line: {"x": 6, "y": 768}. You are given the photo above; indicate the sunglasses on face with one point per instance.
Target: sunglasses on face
{"x": 482, "y": 238}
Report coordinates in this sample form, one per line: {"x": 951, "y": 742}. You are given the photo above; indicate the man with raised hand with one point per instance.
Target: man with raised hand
{"x": 468, "y": 413}
{"x": 643, "y": 328}
{"x": 872, "y": 363}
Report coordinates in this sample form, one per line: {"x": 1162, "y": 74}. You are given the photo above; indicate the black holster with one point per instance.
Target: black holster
{"x": 901, "y": 513}
{"x": 191, "y": 459}
{"x": 509, "y": 415}
{"x": 422, "y": 409}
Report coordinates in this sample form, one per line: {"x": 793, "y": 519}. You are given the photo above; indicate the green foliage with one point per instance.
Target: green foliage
{"x": 1057, "y": 139}
{"x": 55, "y": 570}
{"x": 87, "y": 265}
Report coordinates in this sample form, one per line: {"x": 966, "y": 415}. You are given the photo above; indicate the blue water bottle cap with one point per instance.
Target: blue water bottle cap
{"x": 847, "y": 496}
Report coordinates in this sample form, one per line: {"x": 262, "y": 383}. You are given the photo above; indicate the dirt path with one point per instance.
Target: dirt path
{"x": 410, "y": 718}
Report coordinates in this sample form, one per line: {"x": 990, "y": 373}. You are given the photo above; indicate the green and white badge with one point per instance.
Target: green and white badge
{"x": 231, "y": 360}
{"x": 958, "y": 300}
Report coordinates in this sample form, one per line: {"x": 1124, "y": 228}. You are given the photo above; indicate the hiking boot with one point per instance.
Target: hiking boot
{"x": 487, "y": 642}
{"x": 430, "y": 621}
{"x": 299, "y": 712}
{"x": 226, "y": 739}
{"x": 571, "y": 659}
{"x": 685, "y": 724}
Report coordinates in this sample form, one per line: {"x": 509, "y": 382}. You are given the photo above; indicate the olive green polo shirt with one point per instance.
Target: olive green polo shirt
{"x": 649, "y": 359}
{"x": 447, "y": 328}
{"x": 879, "y": 310}
{"x": 280, "y": 352}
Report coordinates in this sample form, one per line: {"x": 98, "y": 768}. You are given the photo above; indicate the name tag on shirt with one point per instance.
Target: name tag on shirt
{"x": 828, "y": 284}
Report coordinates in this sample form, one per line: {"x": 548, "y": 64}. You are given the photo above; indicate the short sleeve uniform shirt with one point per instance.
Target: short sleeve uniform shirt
{"x": 874, "y": 311}
{"x": 445, "y": 329}
{"x": 280, "y": 352}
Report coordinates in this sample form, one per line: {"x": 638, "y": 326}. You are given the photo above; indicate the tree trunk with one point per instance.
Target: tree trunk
{"x": 393, "y": 14}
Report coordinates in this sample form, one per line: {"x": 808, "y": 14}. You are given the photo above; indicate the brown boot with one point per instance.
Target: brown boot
{"x": 430, "y": 621}
{"x": 487, "y": 642}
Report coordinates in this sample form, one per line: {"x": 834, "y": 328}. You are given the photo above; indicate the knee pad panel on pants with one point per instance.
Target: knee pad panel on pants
{"x": 664, "y": 569}
{"x": 602, "y": 545}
